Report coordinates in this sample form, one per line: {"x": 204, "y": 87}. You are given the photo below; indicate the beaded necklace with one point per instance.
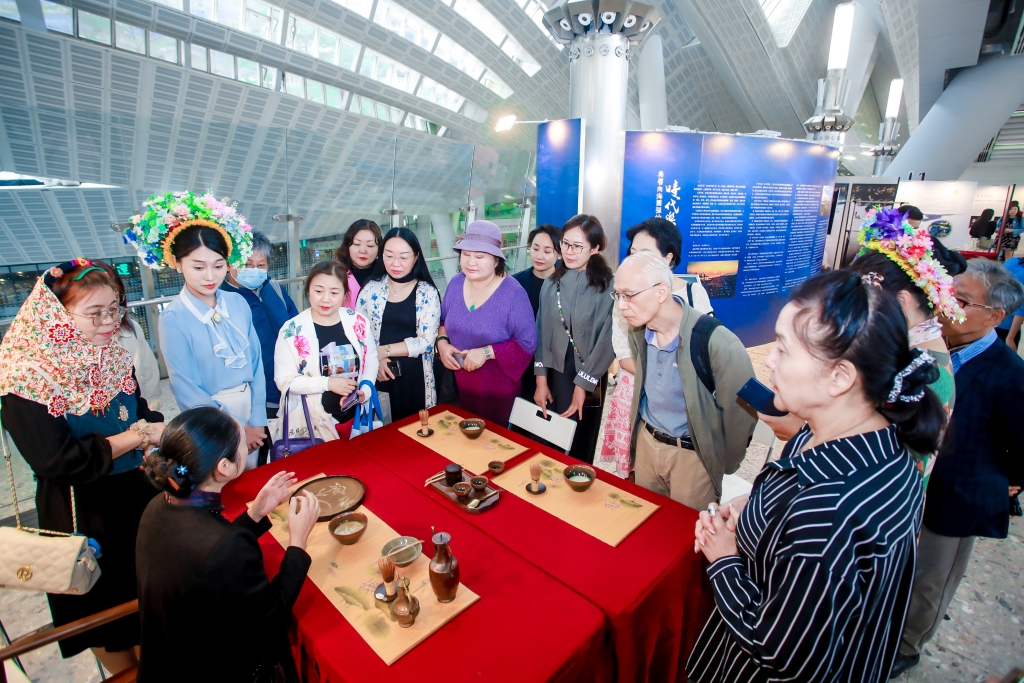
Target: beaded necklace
{"x": 561, "y": 316}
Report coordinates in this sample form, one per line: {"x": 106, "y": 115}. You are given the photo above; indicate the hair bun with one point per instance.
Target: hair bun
{"x": 167, "y": 475}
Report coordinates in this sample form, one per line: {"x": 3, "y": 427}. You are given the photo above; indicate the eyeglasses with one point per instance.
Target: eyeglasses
{"x": 112, "y": 314}
{"x": 964, "y": 304}
{"x": 628, "y": 297}
{"x": 571, "y": 248}
{"x": 398, "y": 258}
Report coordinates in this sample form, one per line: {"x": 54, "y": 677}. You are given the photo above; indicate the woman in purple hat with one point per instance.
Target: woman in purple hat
{"x": 487, "y": 333}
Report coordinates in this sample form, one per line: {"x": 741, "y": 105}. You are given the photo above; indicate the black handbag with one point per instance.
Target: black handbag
{"x": 288, "y": 445}
{"x": 444, "y": 383}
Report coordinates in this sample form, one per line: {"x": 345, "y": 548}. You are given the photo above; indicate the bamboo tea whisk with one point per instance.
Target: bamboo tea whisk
{"x": 387, "y": 572}
{"x": 535, "y": 474}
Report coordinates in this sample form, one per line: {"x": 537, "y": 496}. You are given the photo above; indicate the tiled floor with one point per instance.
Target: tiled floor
{"x": 984, "y": 635}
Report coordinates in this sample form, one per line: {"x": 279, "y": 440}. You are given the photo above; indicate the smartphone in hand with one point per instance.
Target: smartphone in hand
{"x": 760, "y": 397}
{"x": 460, "y": 358}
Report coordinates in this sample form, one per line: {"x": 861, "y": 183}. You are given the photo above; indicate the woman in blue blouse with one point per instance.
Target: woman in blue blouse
{"x": 207, "y": 339}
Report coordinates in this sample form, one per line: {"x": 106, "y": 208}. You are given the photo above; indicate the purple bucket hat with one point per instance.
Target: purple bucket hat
{"x": 482, "y": 236}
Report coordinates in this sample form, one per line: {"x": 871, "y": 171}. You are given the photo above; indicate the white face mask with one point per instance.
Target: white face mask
{"x": 251, "y": 278}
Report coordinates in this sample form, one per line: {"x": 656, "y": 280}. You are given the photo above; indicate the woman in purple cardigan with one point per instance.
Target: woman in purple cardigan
{"x": 488, "y": 334}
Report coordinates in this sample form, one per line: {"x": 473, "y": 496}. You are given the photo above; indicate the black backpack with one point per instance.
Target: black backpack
{"x": 700, "y": 353}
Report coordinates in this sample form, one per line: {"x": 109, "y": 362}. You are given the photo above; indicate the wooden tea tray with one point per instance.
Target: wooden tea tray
{"x": 463, "y": 503}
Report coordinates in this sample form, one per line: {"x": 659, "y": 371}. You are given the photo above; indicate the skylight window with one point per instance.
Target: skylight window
{"x": 307, "y": 37}
{"x": 362, "y": 7}
{"x": 93, "y": 27}
{"x": 251, "y": 16}
{"x": 131, "y": 38}
{"x": 440, "y": 95}
{"x": 385, "y": 70}
{"x": 176, "y": 4}
{"x": 58, "y": 18}
{"x": 784, "y": 16}
{"x": 496, "y": 85}
{"x": 9, "y": 10}
{"x": 453, "y": 53}
{"x": 377, "y": 110}
{"x": 518, "y": 54}
{"x": 406, "y": 24}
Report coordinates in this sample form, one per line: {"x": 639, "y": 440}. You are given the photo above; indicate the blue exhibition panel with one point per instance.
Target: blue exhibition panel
{"x": 752, "y": 211}
{"x": 559, "y": 170}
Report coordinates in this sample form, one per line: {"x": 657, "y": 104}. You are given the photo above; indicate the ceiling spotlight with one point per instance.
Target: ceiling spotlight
{"x": 505, "y": 123}
{"x": 585, "y": 18}
{"x": 564, "y": 23}
{"x": 646, "y": 26}
{"x": 608, "y": 17}
{"x": 630, "y": 21}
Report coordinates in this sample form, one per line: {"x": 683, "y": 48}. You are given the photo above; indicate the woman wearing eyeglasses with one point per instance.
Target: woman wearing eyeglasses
{"x": 404, "y": 309}
{"x": 73, "y": 408}
{"x": 574, "y": 332}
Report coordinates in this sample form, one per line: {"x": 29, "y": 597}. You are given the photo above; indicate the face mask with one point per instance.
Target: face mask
{"x": 251, "y": 278}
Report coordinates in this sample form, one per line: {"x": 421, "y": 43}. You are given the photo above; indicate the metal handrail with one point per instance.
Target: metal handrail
{"x": 167, "y": 299}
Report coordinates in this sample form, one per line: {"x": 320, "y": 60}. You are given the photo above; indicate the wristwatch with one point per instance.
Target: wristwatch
{"x": 387, "y": 350}
{"x": 487, "y": 352}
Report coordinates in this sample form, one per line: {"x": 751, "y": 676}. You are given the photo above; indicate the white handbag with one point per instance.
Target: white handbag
{"x": 40, "y": 560}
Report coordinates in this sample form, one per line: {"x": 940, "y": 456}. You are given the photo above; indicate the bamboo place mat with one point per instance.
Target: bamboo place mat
{"x": 603, "y": 511}
{"x": 347, "y": 575}
{"x": 472, "y": 454}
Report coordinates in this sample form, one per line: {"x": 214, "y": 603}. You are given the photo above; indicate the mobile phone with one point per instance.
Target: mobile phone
{"x": 760, "y": 397}
{"x": 460, "y": 358}
{"x": 350, "y": 400}
{"x": 395, "y": 368}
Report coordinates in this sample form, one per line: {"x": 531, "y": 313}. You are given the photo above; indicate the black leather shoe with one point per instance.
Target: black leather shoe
{"x": 902, "y": 663}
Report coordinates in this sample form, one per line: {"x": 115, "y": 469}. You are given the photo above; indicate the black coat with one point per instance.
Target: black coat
{"x": 109, "y": 508}
{"x": 982, "y": 453}
{"x": 208, "y": 610}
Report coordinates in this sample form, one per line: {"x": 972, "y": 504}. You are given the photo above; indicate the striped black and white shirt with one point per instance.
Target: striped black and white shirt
{"x": 827, "y": 549}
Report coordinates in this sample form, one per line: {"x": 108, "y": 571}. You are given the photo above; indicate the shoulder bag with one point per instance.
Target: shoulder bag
{"x": 369, "y": 416}
{"x": 47, "y": 561}
{"x": 289, "y": 445}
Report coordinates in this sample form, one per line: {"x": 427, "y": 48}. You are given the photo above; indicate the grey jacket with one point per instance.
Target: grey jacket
{"x": 588, "y": 313}
{"x": 720, "y": 424}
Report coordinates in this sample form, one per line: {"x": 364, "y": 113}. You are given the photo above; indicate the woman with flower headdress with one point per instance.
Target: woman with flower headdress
{"x": 207, "y": 339}
{"x": 907, "y": 263}
{"x": 72, "y": 405}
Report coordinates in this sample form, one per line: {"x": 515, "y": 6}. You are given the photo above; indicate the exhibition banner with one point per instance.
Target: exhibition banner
{"x": 753, "y": 213}
{"x": 559, "y": 170}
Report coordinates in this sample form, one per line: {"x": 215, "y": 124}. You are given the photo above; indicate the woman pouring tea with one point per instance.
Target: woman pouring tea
{"x": 207, "y": 339}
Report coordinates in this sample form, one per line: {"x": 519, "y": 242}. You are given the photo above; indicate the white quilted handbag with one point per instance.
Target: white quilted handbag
{"x": 40, "y": 560}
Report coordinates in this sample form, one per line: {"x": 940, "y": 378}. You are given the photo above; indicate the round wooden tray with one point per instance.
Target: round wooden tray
{"x": 336, "y": 493}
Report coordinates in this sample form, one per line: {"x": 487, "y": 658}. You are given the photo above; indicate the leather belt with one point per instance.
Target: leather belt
{"x": 662, "y": 437}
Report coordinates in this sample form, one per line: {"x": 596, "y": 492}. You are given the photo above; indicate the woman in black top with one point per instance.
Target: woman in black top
{"x": 544, "y": 242}
{"x": 574, "y": 332}
{"x": 72, "y": 405}
{"x": 208, "y": 610}
{"x": 404, "y": 310}
{"x": 813, "y": 582}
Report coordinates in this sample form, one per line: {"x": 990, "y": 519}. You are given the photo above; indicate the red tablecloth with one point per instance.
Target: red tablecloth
{"x": 525, "y": 627}
{"x": 652, "y": 586}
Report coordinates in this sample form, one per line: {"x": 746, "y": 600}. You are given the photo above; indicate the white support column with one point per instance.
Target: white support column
{"x": 971, "y": 110}
{"x": 651, "y": 82}
{"x": 597, "y": 75}
{"x": 444, "y": 233}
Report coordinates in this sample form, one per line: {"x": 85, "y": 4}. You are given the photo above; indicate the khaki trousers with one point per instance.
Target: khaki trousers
{"x": 675, "y": 472}
{"x": 941, "y": 564}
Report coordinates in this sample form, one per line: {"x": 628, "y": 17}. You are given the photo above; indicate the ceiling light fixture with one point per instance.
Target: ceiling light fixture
{"x": 892, "y": 105}
{"x": 842, "y": 31}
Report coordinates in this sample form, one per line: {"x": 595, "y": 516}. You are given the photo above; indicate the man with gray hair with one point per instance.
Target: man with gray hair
{"x": 689, "y": 429}
{"x": 271, "y": 309}
{"x": 981, "y": 457}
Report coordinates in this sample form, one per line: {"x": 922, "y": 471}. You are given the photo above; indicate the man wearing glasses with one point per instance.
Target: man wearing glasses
{"x": 684, "y": 439}
{"x": 981, "y": 456}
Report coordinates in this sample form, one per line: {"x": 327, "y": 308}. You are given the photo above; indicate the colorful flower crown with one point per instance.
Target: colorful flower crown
{"x": 885, "y": 231}
{"x": 153, "y": 232}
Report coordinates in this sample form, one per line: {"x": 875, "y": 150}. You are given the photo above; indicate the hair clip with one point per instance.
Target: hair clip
{"x": 182, "y": 470}
{"x": 897, "y": 383}
{"x": 872, "y": 279}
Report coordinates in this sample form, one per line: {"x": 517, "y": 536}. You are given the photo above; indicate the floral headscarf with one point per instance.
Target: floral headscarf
{"x": 45, "y": 358}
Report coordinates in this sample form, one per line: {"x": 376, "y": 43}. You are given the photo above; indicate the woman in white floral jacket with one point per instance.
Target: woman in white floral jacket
{"x": 404, "y": 310}
{"x": 297, "y": 361}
